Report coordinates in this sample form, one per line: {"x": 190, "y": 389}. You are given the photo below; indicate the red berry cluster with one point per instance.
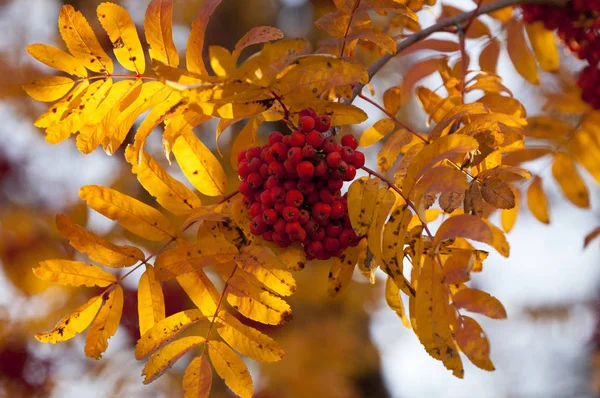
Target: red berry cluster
{"x": 292, "y": 187}
{"x": 578, "y": 25}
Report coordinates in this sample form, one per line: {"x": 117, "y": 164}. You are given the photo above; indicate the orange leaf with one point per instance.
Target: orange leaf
{"x": 519, "y": 52}
{"x": 537, "y": 201}
{"x": 195, "y": 44}
{"x": 473, "y": 342}
{"x": 158, "y": 27}
{"x": 256, "y": 35}
{"x": 570, "y": 182}
{"x": 479, "y": 301}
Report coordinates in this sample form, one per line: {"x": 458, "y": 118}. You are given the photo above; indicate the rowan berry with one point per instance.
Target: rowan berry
{"x": 338, "y": 209}
{"x": 278, "y": 194}
{"x": 312, "y": 198}
{"x": 347, "y": 237}
{"x": 254, "y": 165}
{"x": 321, "y": 211}
{"x": 322, "y": 123}
{"x": 279, "y": 206}
{"x": 255, "y": 209}
{"x": 305, "y": 170}
{"x": 315, "y": 139}
{"x": 331, "y": 244}
{"x": 279, "y": 226}
{"x": 274, "y": 137}
{"x": 281, "y": 239}
{"x": 349, "y": 141}
{"x": 243, "y": 169}
{"x": 268, "y": 236}
{"x": 333, "y": 159}
{"x": 350, "y": 173}
{"x": 325, "y": 195}
{"x": 359, "y": 160}
{"x": 279, "y": 151}
{"x": 271, "y": 182}
{"x": 303, "y": 217}
{"x": 297, "y": 139}
{"x": 335, "y": 184}
{"x": 276, "y": 169}
{"x": 329, "y": 146}
{"x": 265, "y": 198}
{"x": 334, "y": 229}
{"x": 245, "y": 189}
{"x": 258, "y": 226}
{"x": 255, "y": 181}
{"x": 264, "y": 171}
{"x": 307, "y": 112}
{"x": 291, "y": 213}
{"x": 315, "y": 248}
{"x": 321, "y": 168}
{"x": 241, "y": 156}
{"x": 308, "y": 151}
{"x": 307, "y": 123}
{"x": 253, "y": 153}
{"x": 294, "y": 198}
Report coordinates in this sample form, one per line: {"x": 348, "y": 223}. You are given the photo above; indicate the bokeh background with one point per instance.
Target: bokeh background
{"x": 353, "y": 346}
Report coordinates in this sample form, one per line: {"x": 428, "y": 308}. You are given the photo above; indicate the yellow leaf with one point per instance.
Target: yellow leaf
{"x": 544, "y": 46}
{"x": 132, "y": 214}
{"x": 121, "y": 31}
{"x": 195, "y": 44}
{"x": 519, "y": 52}
{"x": 151, "y": 94}
{"x": 341, "y": 270}
{"x": 481, "y": 302}
{"x": 245, "y": 139}
{"x": 73, "y": 273}
{"x": 383, "y": 205}
{"x": 97, "y": 248}
{"x": 394, "y": 235}
{"x": 166, "y": 109}
{"x": 77, "y": 116}
{"x": 170, "y": 193}
{"x": 120, "y": 96}
{"x": 247, "y": 340}
{"x": 230, "y": 368}
{"x": 398, "y": 143}
{"x": 470, "y": 227}
{"x": 200, "y": 290}
{"x": 264, "y": 265}
{"x": 160, "y": 362}
{"x": 445, "y": 147}
{"x": 537, "y": 201}
{"x": 188, "y": 257}
{"x": 586, "y": 151}
{"x": 58, "y": 110}
{"x": 74, "y": 323}
{"x": 82, "y": 42}
{"x": 392, "y": 99}
{"x": 199, "y": 165}
{"x": 362, "y": 195}
{"x": 291, "y": 257}
{"x": 546, "y": 128}
{"x": 392, "y": 297}
{"x": 256, "y": 35}
{"x": 570, "y": 182}
{"x": 49, "y": 89}
{"x": 197, "y": 379}
{"x": 158, "y": 28}
{"x": 473, "y": 342}
{"x": 221, "y": 61}
{"x": 151, "y": 301}
{"x": 57, "y": 59}
{"x": 508, "y": 217}
{"x": 377, "y": 132}
{"x": 497, "y": 193}
{"x": 177, "y": 125}
{"x": 438, "y": 179}
{"x": 164, "y": 331}
{"x": 105, "y": 325}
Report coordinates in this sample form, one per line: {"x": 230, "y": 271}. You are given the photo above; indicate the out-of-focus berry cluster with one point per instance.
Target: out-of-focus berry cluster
{"x": 578, "y": 26}
{"x": 292, "y": 187}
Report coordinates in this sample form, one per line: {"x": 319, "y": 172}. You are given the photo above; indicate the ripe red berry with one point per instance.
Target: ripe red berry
{"x": 306, "y": 187}
{"x": 297, "y": 139}
{"x": 281, "y": 239}
{"x": 294, "y": 198}
{"x": 347, "y": 237}
{"x": 274, "y": 137}
{"x": 338, "y": 209}
{"x": 321, "y": 211}
{"x": 359, "y": 160}
{"x": 255, "y": 209}
{"x": 295, "y": 155}
{"x": 315, "y": 248}
{"x": 350, "y": 141}
{"x": 305, "y": 170}
{"x": 329, "y": 145}
{"x": 258, "y": 226}
{"x": 326, "y": 195}
{"x": 254, "y": 165}
{"x": 321, "y": 168}
{"x": 264, "y": 171}
{"x": 308, "y": 151}
{"x": 265, "y": 198}
{"x": 241, "y": 156}
{"x": 276, "y": 169}
{"x": 312, "y": 198}
{"x": 315, "y": 139}
{"x": 331, "y": 244}
{"x": 318, "y": 235}
{"x": 245, "y": 189}
{"x": 303, "y": 217}
{"x": 290, "y": 184}
{"x": 243, "y": 169}
{"x": 278, "y": 151}
{"x": 334, "y": 159}
{"x": 347, "y": 154}
{"x": 322, "y": 123}
{"x": 255, "y": 181}
{"x": 253, "y": 153}
{"x": 307, "y": 123}
{"x": 295, "y": 231}
{"x": 268, "y": 236}
{"x": 278, "y": 194}
{"x": 270, "y": 216}
{"x": 271, "y": 182}
{"x": 291, "y": 213}
{"x": 279, "y": 226}
{"x": 279, "y": 206}
{"x": 311, "y": 225}
{"x": 307, "y": 112}
{"x": 350, "y": 173}
{"x": 334, "y": 229}
{"x": 335, "y": 184}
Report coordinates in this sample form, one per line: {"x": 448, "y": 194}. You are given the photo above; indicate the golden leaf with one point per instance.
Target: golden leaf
{"x": 497, "y": 193}
{"x": 195, "y": 44}
{"x": 362, "y": 195}
{"x": 117, "y": 23}
{"x": 392, "y": 297}
{"x": 201, "y": 291}
{"x": 57, "y": 111}
{"x": 394, "y": 235}
{"x": 341, "y": 270}
{"x": 488, "y": 59}
{"x": 230, "y": 368}
{"x": 105, "y": 325}
{"x": 383, "y": 205}
{"x": 158, "y": 28}
{"x": 73, "y": 273}
{"x": 473, "y": 342}
{"x": 544, "y": 46}
{"x": 398, "y": 143}
{"x": 377, "y": 132}
{"x": 247, "y": 340}
{"x": 585, "y": 149}
{"x": 133, "y": 215}
{"x": 170, "y": 193}
{"x": 160, "y": 362}
{"x": 481, "y": 302}
{"x": 546, "y": 127}
{"x": 438, "y": 179}
{"x": 97, "y": 248}
{"x": 49, "y": 89}
{"x": 197, "y": 379}
{"x": 151, "y": 301}
{"x": 264, "y": 265}
{"x": 82, "y": 42}
{"x": 508, "y": 217}
{"x": 470, "y": 227}
{"x": 519, "y": 52}
{"x": 256, "y": 35}
{"x": 392, "y": 99}
{"x": 57, "y": 59}
{"x": 74, "y": 323}
{"x": 164, "y": 331}
{"x": 221, "y": 61}
{"x": 537, "y": 200}
{"x": 570, "y": 182}
{"x": 199, "y": 165}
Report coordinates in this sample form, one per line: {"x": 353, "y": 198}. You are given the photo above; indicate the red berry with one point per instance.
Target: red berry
{"x": 308, "y": 152}
{"x": 334, "y": 159}
{"x": 305, "y": 170}
{"x": 347, "y": 237}
{"x": 291, "y": 213}
{"x": 303, "y": 217}
{"x": 350, "y": 173}
{"x": 278, "y": 194}
{"x": 254, "y": 165}
{"x": 265, "y": 198}
{"x": 334, "y": 229}
{"x": 258, "y": 226}
{"x": 279, "y": 151}
{"x": 255, "y": 181}
{"x": 270, "y": 216}
{"x": 286, "y": 140}
{"x": 290, "y": 184}
{"x": 306, "y": 187}
{"x": 307, "y": 123}
{"x": 315, "y": 249}
{"x": 313, "y": 198}
{"x": 281, "y": 239}
{"x": 318, "y": 235}
{"x": 350, "y": 141}
{"x": 347, "y": 154}
{"x": 322, "y": 123}
{"x": 315, "y": 139}
{"x": 297, "y": 139}
{"x": 295, "y": 155}
{"x": 321, "y": 211}
{"x": 326, "y": 195}
{"x": 272, "y": 182}
{"x": 241, "y": 156}
{"x": 335, "y": 184}
{"x": 279, "y": 226}
{"x": 268, "y": 236}
{"x": 321, "y": 168}
{"x": 294, "y": 198}
{"x": 243, "y": 169}
{"x": 274, "y": 137}
{"x": 359, "y": 160}
{"x": 255, "y": 209}
{"x": 294, "y": 230}
{"x": 279, "y": 206}
{"x": 253, "y": 153}
{"x": 338, "y": 209}
{"x": 264, "y": 171}
{"x": 329, "y": 145}
{"x": 245, "y": 189}
{"x": 331, "y": 244}
{"x": 311, "y": 226}
{"x": 307, "y": 112}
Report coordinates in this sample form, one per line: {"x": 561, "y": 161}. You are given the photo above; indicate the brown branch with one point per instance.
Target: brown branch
{"x": 444, "y": 24}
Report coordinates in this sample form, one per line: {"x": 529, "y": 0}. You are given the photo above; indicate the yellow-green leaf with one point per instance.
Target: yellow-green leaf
{"x": 74, "y": 323}
{"x": 132, "y": 214}
{"x": 73, "y": 273}
{"x": 105, "y": 325}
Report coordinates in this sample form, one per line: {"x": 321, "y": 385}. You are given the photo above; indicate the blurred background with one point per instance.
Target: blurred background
{"x": 354, "y": 346}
